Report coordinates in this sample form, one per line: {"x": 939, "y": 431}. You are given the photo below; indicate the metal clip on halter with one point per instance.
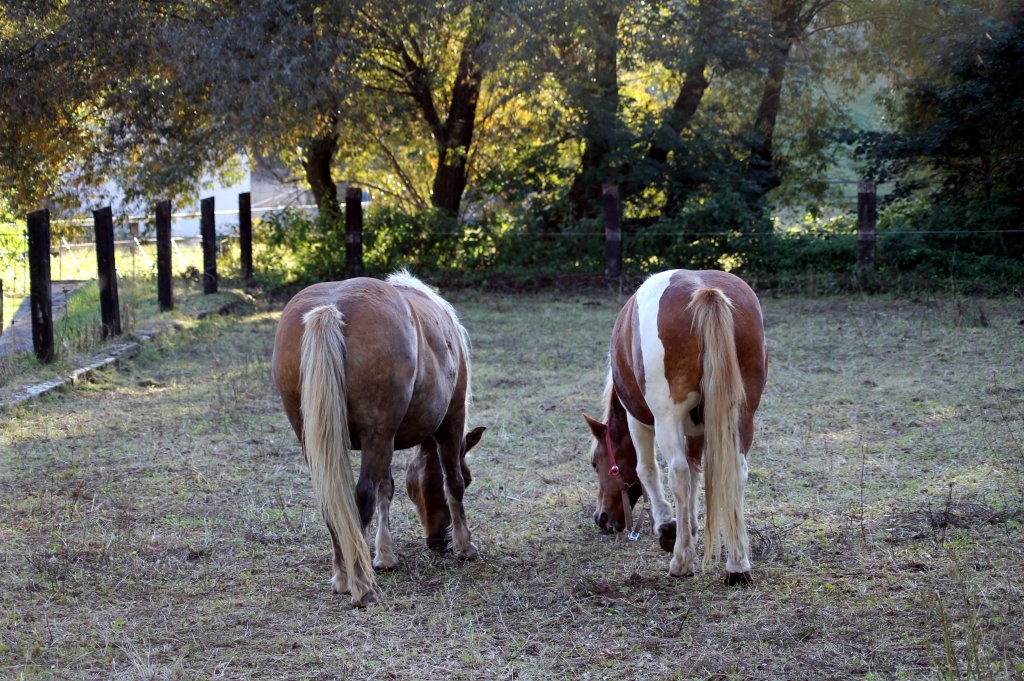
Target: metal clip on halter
{"x": 634, "y": 531}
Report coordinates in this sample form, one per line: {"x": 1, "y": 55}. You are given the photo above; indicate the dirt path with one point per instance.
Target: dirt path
{"x": 18, "y": 336}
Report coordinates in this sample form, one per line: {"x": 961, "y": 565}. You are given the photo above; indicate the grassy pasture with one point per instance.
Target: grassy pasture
{"x": 158, "y": 523}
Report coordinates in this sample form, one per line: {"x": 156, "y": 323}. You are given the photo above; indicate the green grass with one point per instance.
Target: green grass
{"x": 78, "y": 332}
{"x": 158, "y": 521}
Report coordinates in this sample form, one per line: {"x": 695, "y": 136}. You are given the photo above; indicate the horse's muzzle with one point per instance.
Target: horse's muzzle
{"x": 438, "y": 541}
{"x": 606, "y": 522}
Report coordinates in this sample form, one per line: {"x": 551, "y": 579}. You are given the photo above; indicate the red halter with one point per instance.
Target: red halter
{"x": 614, "y": 470}
{"x": 633, "y": 530}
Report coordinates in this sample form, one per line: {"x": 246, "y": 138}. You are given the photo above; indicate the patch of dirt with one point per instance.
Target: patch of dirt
{"x": 916, "y": 524}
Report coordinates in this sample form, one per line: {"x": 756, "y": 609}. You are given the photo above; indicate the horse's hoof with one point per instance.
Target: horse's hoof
{"x": 385, "y": 564}
{"x": 667, "y": 536}
{"x": 680, "y": 568}
{"x": 738, "y": 578}
{"x": 470, "y": 553}
{"x": 367, "y": 598}
{"x": 438, "y": 542}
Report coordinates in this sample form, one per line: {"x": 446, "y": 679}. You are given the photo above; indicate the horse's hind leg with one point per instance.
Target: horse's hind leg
{"x": 375, "y": 489}
{"x": 449, "y": 441}
{"x": 339, "y": 576}
{"x": 694, "y": 451}
{"x": 670, "y": 441}
{"x": 737, "y": 562}
{"x": 385, "y": 558}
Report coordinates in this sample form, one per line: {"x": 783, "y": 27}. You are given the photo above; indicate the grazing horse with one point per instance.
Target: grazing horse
{"x": 376, "y": 366}
{"x": 688, "y": 365}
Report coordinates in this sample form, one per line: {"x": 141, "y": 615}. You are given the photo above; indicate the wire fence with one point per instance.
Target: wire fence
{"x": 74, "y": 259}
{"x": 136, "y": 256}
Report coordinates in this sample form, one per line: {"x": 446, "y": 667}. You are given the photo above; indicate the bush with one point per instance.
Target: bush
{"x": 296, "y": 248}
{"x": 716, "y": 231}
{"x": 431, "y": 240}
{"x": 917, "y": 247}
{"x": 822, "y": 247}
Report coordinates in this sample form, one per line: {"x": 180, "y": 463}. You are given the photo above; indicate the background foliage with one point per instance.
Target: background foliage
{"x": 485, "y": 130}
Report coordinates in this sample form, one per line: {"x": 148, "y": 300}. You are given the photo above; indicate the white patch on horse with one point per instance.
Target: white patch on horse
{"x": 672, "y": 421}
{"x": 656, "y": 389}
{"x": 656, "y": 394}
{"x": 648, "y": 302}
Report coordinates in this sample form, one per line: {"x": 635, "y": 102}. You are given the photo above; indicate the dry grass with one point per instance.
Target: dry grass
{"x": 158, "y": 522}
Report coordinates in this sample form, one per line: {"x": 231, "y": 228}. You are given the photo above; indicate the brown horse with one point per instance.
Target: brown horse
{"x": 688, "y": 365}
{"x": 376, "y": 366}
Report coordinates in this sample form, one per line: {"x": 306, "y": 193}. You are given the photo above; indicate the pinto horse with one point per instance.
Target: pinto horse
{"x": 377, "y": 366}
{"x": 688, "y": 365}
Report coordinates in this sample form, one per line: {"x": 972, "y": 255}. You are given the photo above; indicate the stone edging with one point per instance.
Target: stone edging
{"x": 110, "y": 355}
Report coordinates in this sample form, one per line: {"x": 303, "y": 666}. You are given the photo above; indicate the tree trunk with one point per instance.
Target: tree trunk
{"x": 602, "y": 112}
{"x": 762, "y": 160}
{"x": 678, "y": 118}
{"x": 682, "y": 112}
{"x": 789, "y": 21}
{"x": 456, "y": 134}
{"x": 317, "y": 164}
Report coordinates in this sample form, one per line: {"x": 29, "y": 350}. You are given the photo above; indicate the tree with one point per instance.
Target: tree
{"x": 56, "y": 71}
{"x": 265, "y": 77}
{"x": 657, "y": 139}
{"x": 959, "y": 142}
{"x": 406, "y": 54}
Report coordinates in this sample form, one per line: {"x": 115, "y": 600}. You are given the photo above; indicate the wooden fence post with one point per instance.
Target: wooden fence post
{"x": 164, "y": 286}
{"x": 612, "y": 205}
{"x": 353, "y": 231}
{"x": 110, "y": 308}
{"x": 867, "y": 218}
{"x": 208, "y": 227}
{"x": 39, "y": 275}
{"x": 245, "y": 234}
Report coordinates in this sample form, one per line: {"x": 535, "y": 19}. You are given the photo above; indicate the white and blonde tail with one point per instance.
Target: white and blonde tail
{"x": 722, "y": 388}
{"x": 326, "y": 441}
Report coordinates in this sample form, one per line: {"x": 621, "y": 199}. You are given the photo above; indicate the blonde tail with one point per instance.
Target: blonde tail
{"x": 326, "y": 441}
{"x": 722, "y": 388}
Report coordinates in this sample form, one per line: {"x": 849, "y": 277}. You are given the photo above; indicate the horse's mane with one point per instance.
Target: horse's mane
{"x": 606, "y": 414}
{"x": 406, "y": 280}
{"x": 606, "y": 398}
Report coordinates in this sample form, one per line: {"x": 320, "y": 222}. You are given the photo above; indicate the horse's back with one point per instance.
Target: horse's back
{"x": 402, "y": 356}
{"x": 655, "y": 355}
{"x": 380, "y": 348}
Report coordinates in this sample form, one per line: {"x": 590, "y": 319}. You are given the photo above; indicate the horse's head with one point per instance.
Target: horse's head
{"x": 614, "y": 460}
{"x": 425, "y": 483}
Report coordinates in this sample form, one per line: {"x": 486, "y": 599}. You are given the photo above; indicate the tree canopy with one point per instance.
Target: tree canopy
{"x": 471, "y": 107}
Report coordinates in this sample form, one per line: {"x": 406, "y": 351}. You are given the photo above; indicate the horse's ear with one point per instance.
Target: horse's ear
{"x": 473, "y": 437}
{"x": 596, "y": 427}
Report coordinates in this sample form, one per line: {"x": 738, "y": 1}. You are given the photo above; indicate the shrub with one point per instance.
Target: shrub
{"x": 917, "y": 246}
